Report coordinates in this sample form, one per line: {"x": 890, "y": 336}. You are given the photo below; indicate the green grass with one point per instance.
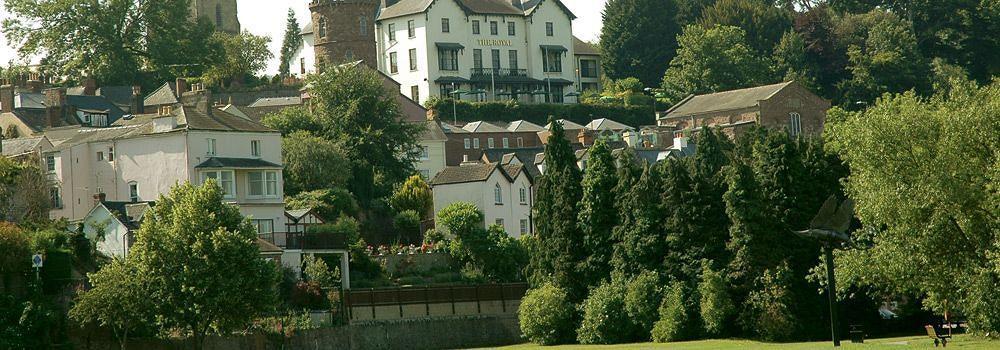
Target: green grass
{"x": 961, "y": 342}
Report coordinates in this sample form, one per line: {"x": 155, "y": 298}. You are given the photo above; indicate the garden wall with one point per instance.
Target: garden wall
{"x": 437, "y": 333}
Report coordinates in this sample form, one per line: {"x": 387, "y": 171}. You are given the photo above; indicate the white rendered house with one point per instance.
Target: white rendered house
{"x": 503, "y": 192}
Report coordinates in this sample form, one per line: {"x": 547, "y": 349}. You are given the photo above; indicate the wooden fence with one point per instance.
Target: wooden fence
{"x": 506, "y": 294}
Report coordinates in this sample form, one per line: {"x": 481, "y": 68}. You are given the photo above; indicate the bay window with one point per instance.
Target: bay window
{"x": 262, "y": 184}
{"x": 224, "y": 178}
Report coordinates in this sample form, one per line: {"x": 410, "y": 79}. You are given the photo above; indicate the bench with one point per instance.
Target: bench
{"x": 938, "y": 338}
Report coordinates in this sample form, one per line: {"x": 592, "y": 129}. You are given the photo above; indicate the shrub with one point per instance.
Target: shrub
{"x": 316, "y": 269}
{"x": 641, "y": 303}
{"x": 328, "y": 203}
{"x": 676, "y": 316}
{"x": 414, "y": 194}
{"x": 407, "y": 222}
{"x": 14, "y": 245}
{"x": 604, "y": 321}
{"x": 433, "y": 236}
{"x": 546, "y": 316}
{"x": 769, "y": 308}
{"x": 309, "y": 295}
{"x": 716, "y": 306}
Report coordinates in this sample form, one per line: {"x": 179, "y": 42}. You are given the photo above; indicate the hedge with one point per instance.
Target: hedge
{"x": 538, "y": 113}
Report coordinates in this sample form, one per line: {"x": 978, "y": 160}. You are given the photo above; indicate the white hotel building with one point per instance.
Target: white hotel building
{"x": 496, "y": 49}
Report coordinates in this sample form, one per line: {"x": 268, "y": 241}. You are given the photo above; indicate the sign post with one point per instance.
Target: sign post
{"x": 36, "y": 262}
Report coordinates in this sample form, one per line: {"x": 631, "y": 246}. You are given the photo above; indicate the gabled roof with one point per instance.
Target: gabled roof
{"x": 32, "y": 105}
{"x": 724, "y": 101}
{"x": 277, "y": 101}
{"x": 22, "y": 145}
{"x": 482, "y": 126}
{"x": 433, "y": 131}
{"x": 584, "y": 48}
{"x": 105, "y": 134}
{"x": 524, "y": 125}
{"x": 567, "y": 125}
{"x": 128, "y": 214}
{"x": 451, "y": 129}
{"x": 298, "y": 213}
{"x": 268, "y": 248}
{"x": 485, "y": 7}
{"x": 307, "y": 29}
{"x": 475, "y": 173}
{"x": 191, "y": 118}
{"x": 164, "y": 95}
{"x": 607, "y": 124}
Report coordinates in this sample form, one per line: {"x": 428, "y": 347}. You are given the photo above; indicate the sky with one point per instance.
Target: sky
{"x": 267, "y": 18}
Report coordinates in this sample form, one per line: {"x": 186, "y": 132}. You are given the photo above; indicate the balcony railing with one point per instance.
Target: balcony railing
{"x": 497, "y": 73}
{"x": 306, "y": 241}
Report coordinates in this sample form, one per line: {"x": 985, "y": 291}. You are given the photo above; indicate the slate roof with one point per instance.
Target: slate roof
{"x": 724, "y": 101}
{"x": 164, "y": 95}
{"x": 298, "y": 213}
{"x": 581, "y": 47}
{"x": 119, "y": 95}
{"x": 451, "y": 129}
{"x": 307, "y": 29}
{"x": 59, "y": 135}
{"x": 473, "y": 173}
{"x": 268, "y": 248}
{"x": 258, "y": 113}
{"x": 22, "y": 145}
{"x": 105, "y": 134}
{"x": 482, "y": 126}
{"x": 239, "y": 163}
{"x": 524, "y": 125}
{"x": 490, "y": 7}
{"x": 191, "y": 118}
{"x": 433, "y": 132}
{"x": 568, "y": 125}
{"x": 607, "y": 124}
{"x": 276, "y": 101}
{"x": 30, "y": 108}
{"x": 128, "y": 213}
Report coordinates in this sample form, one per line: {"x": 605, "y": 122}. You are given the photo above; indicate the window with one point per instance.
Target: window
{"x": 262, "y": 183}
{"x": 111, "y": 153}
{"x": 477, "y": 58}
{"x": 468, "y": 143}
{"x": 100, "y": 156}
{"x": 557, "y": 94}
{"x": 349, "y": 55}
{"x": 224, "y": 178}
{"x": 426, "y": 174}
{"x": 475, "y": 27}
{"x": 302, "y": 65}
{"x": 524, "y": 226}
{"x": 523, "y": 195}
{"x": 494, "y": 29}
{"x": 363, "y": 25}
{"x": 506, "y": 143}
{"x": 415, "y": 93}
{"x": 510, "y": 29}
{"x": 411, "y": 30}
{"x": 424, "y": 153}
{"x": 265, "y": 227}
{"x": 445, "y": 25}
{"x": 99, "y": 120}
{"x": 211, "y": 147}
{"x": 218, "y": 16}
{"x": 794, "y": 124}
{"x": 413, "y": 59}
{"x": 448, "y": 59}
{"x": 475, "y": 143}
{"x": 495, "y": 53}
{"x": 446, "y": 89}
{"x": 552, "y": 61}
{"x": 520, "y": 142}
{"x": 588, "y": 68}
{"x": 489, "y": 143}
{"x": 392, "y": 32}
{"x": 589, "y": 87}
{"x": 393, "y": 67}
{"x": 497, "y": 194}
{"x": 499, "y": 222}
{"x": 513, "y": 59}
{"x": 549, "y": 31}
{"x": 133, "y": 191}
{"x": 50, "y": 163}
{"x": 255, "y": 148}
{"x": 55, "y": 197}
{"x": 322, "y": 27}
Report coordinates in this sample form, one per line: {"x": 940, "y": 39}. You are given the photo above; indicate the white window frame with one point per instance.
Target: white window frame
{"x": 55, "y": 197}
{"x": 489, "y": 143}
{"x": 524, "y": 226}
{"x": 228, "y": 186}
{"x": 499, "y": 221}
{"x": 211, "y": 146}
{"x": 50, "y": 163}
{"x": 475, "y": 143}
{"x": 794, "y": 124}
{"x": 268, "y": 184}
{"x": 468, "y": 143}
{"x": 111, "y": 153}
{"x": 255, "y": 148}
{"x": 424, "y": 153}
{"x": 258, "y": 223}
{"x": 133, "y": 191}
{"x": 523, "y": 194}
{"x": 505, "y": 143}
{"x": 497, "y": 195}
{"x": 520, "y": 142}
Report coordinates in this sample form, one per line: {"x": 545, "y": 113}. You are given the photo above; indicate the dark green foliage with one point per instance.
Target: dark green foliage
{"x": 406, "y": 222}
{"x": 792, "y": 61}
{"x": 491, "y": 253}
{"x": 25, "y": 324}
{"x": 770, "y": 309}
{"x": 328, "y": 203}
{"x": 546, "y": 316}
{"x": 715, "y": 305}
{"x": 603, "y": 319}
{"x": 557, "y": 252}
{"x": 539, "y": 113}
{"x": 641, "y": 300}
{"x": 638, "y": 39}
{"x": 641, "y": 243}
{"x": 763, "y": 23}
{"x": 714, "y": 59}
{"x": 290, "y": 44}
{"x": 678, "y": 316}
{"x": 597, "y": 213}
{"x": 414, "y": 194}
{"x": 689, "y": 11}
{"x": 313, "y": 163}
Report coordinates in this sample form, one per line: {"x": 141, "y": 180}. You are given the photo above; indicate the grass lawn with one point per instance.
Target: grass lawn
{"x": 962, "y": 342}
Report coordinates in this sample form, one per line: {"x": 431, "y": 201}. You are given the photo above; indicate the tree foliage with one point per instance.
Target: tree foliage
{"x": 603, "y": 319}
{"x": 243, "y": 55}
{"x": 118, "y": 300}
{"x": 329, "y": 204}
{"x": 24, "y": 191}
{"x": 546, "y": 315}
{"x": 313, "y": 163}
{"x": 640, "y": 242}
{"x": 763, "y": 23}
{"x": 711, "y": 60}
{"x": 290, "y": 44}
{"x": 637, "y": 39}
{"x": 597, "y": 213}
{"x": 414, "y": 194}
{"x": 678, "y": 316}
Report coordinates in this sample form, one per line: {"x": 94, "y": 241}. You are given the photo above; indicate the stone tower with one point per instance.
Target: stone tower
{"x": 344, "y": 30}
{"x": 221, "y": 13}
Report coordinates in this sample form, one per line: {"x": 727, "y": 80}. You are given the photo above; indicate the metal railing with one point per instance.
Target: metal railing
{"x": 486, "y": 73}
{"x": 305, "y": 240}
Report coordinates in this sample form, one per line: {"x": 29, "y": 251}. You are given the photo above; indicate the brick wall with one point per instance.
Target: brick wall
{"x": 455, "y": 146}
{"x": 344, "y": 32}
{"x": 774, "y": 112}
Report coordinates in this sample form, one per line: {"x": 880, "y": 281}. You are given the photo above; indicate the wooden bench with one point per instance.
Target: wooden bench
{"x": 938, "y": 338}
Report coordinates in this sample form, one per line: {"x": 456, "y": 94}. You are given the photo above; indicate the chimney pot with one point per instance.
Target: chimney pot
{"x": 136, "y": 104}
{"x": 89, "y": 86}
{"x": 182, "y": 86}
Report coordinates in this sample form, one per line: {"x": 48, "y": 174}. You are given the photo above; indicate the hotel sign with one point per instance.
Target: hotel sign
{"x": 494, "y": 42}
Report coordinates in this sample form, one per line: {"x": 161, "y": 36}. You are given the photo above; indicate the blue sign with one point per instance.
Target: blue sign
{"x": 36, "y": 260}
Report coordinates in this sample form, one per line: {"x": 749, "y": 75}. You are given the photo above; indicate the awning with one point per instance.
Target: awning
{"x": 557, "y": 48}
{"x": 449, "y": 46}
{"x": 450, "y": 79}
{"x": 239, "y": 163}
{"x": 557, "y": 81}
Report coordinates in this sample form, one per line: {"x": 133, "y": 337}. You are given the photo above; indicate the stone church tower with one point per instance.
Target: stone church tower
{"x": 221, "y": 13}
{"x": 344, "y": 30}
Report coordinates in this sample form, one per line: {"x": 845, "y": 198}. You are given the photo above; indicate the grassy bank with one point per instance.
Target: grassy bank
{"x": 962, "y": 342}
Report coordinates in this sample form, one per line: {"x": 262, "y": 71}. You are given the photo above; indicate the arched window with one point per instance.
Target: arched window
{"x": 363, "y": 22}
{"x": 322, "y": 27}
{"x": 794, "y": 124}
{"x": 497, "y": 194}
{"x": 218, "y": 16}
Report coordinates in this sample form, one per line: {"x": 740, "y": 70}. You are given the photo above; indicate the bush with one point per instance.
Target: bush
{"x": 538, "y": 113}
{"x": 317, "y": 270}
{"x": 676, "y": 316}
{"x": 769, "y": 308}
{"x": 716, "y": 306}
{"x": 309, "y": 295}
{"x": 546, "y": 316}
{"x": 328, "y": 203}
{"x": 407, "y": 222}
{"x": 604, "y": 321}
{"x": 641, "y": 303}
{"x": 433, "y": 236}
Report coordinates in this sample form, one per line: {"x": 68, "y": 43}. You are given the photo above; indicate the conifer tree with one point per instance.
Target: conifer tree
{"x": 557, "y": 251}
{"x": 642, "y": 243}
{"x": 598, "y": 215}
{"x": 291, "y": 43}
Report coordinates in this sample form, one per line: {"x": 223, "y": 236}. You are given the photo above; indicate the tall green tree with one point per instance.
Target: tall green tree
{"x": 414, "y": 194}
{"x": 205, "y": 272}
{"x": 597, "y": 213}
{"x": 792, "y": 61}
{"x": 557, "y": 253}
{"x": 290, "y": 44}
{"x": 642, "y": 244}
{"x": 24, "y": 192}
{"x": 638, "y": 39}
{"x": 243, "y": 55}
{"x": 313, "y": 163}
{"x": 763, "y": 23}
{"x": 711, "y": 60}
{"x": 118, "y": 300}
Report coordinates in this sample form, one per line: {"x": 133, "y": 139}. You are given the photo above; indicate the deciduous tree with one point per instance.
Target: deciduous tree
{"x": 711, "y": 60}
{"x": 243, "y": 55}
{"x": 313, "y": 163}
{"x": 638, "y": 39}
{"x": 763, "y": 23}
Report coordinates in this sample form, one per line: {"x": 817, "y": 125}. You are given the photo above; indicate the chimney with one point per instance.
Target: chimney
{"x": 55, "y": 102}
{"x": 204, "y": 103}
{"x": 164, "y": 123}
{"x": 100, "y": 198}
{"x": 680, "y": 142}
{"x": 182, "y": 86}
{"x": 34, "y": 85}
{"x": 89, "y": 86}
{"x": 136, "y": 103}
{"x": 585, "y": 138}
{"x": 6, "y": 99}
